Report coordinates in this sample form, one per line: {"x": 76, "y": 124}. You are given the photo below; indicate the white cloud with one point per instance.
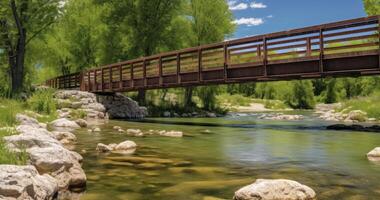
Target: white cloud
{"x": 233, "y": 5}
{"x": 257, "y": 5}
{"x": 249, "y": 21}
{"x": 270, "y": 16}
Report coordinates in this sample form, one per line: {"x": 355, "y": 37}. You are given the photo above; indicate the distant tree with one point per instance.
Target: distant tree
{"x": 302, "y": 96}
{"x": 21, "y": 21}
{"x": 331, "y": 91}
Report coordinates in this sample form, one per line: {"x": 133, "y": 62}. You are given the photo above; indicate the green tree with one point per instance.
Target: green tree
{"x": 372, "y": 7}
{"x": 21, "y": 21}
{"x": 331, "y": 91}
{"x": 211, "y": 21}
{"x": 302, "y": 96}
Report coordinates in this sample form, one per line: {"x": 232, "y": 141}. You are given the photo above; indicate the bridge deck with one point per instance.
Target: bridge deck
{"x": 346, "y": 48}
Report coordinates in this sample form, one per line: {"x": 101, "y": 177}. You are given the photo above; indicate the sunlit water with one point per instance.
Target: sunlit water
{"x": 232, "y": 153}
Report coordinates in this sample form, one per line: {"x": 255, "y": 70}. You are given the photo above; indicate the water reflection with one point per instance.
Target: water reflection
{"x": 233, "y": 152}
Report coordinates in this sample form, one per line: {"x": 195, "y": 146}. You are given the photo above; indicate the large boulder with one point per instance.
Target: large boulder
{"x": 374, "y": 155}
{"x": 266, "y": 189}
{"x": 121, "y": 107}
{"x": 24, "y": 182}
{"x": 58, "y": 162}
{"x": 30, "y": 137}
{"x": 64, "y": 123}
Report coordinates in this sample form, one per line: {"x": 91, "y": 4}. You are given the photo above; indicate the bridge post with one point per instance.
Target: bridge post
{"x": 160, "y": 71}
{"x": 144, "y": 73}
{"x": 178, "y": 68}
{"x": 110, "y": 77}
{"x": 95, "y": 80}
{"x": 308, "y": 46}
{"x": 132, "y": 84}
{"x": 120, "y": 77}
{"x": 265, "y": 60}
{"x": 225, "y": 51}
{"x": 378, "y": 35}
{"x": 321, "y": 50}
{"x": 102, "y": 79}
{"x": 199, "y": 64}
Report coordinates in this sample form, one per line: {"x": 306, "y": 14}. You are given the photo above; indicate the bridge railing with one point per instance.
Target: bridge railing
{"x": 307, "y": 52}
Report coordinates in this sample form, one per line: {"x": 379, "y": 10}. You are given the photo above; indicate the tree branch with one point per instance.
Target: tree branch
{"x": 16, "y": 17}
{"x": 35, "y": 34}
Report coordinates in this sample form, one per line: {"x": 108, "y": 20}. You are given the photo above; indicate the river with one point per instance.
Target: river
{"x": 218, "y": 156}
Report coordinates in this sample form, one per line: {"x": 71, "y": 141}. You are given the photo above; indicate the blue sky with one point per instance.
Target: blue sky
{"x": 256, "y": 17}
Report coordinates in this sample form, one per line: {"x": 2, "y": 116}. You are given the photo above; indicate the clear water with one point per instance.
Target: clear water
{"x": 235, "y": 152}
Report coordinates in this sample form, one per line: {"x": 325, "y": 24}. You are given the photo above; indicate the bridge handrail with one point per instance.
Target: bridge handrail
{"x": 260, "y": 47}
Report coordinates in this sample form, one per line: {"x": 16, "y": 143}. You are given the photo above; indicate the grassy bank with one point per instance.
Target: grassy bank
{"x": 40, "y": 105}
{"x": 369, "y": 104}
{"x": 236, "y": 100}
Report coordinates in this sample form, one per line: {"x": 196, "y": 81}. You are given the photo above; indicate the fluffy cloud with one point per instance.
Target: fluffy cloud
{"x": 249, "y": 21}
{"x": 257, "y": 5}
{"x": 234, "y": 5}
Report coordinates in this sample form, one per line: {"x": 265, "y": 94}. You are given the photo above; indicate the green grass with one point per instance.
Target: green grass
{"x": 78, "y": 114}
{"x": 369, "y": 104}
{"x": 8, "y": 157}
{"x": 8, "y": 109}
{"x": 233, "y": 100}
{"x": 43, "y": 102}
{"x": 240, "y": 100}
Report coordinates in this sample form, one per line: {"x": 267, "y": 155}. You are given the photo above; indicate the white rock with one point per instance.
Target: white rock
{"x": 96, "y": 129}
{"x": 103, "y": 148}
{"x": 135, "y": 132}
{"x": 116, "y": 127}
{"x": 63, "y": 122}
{"x": 126, "y": 147}
{"x": 374, "y": 155}
{"x": 26, "y": 120}
{"x": 171, "y": 133}
{"x": 24, "y": 182}
{"x": 265, "y": 189}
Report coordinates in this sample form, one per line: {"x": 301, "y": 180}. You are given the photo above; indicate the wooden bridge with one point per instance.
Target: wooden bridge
{"x": 345, "y": 48}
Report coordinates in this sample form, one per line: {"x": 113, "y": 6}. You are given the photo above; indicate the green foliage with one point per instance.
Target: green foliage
{"x": 302, "y": 96}
{"x": 207, "y": 94}
{"x": 372, "y": 7}
{"x": 7, "y": 156}
{"x": 78, "y": 114}
{"x": 247, "y": 89}
{"x": 8, "y": 109}
{"x": 369, "y": 104}
{"x": 42, "y": 101}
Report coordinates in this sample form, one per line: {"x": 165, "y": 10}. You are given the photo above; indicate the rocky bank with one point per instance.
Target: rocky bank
{"x": 51, "y": 168}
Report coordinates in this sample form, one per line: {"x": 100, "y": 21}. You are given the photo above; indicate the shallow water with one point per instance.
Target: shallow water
{"x": 234, "y": 152}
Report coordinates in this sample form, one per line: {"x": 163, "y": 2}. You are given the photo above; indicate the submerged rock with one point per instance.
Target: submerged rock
{"x": 171, "y": 133}
{"x": 135, "y": 132}
{"x": 24, "y": 182}
{"x": 374, "y": 155}
{"x": 103, "y": 148}
{"x": 354, "y": 127}
{"x": 266, "y": 189}
{"x": 126, "y": 147}
{"x": 81, "y": 122}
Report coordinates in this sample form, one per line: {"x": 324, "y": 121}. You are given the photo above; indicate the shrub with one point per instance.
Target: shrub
{"x": 42, "y": 101}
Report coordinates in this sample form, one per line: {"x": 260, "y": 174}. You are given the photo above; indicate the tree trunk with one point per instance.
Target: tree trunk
{"x": 188, "y": 97}
{"x": 17, "y": 66}
{"x": 141, "y": 97}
